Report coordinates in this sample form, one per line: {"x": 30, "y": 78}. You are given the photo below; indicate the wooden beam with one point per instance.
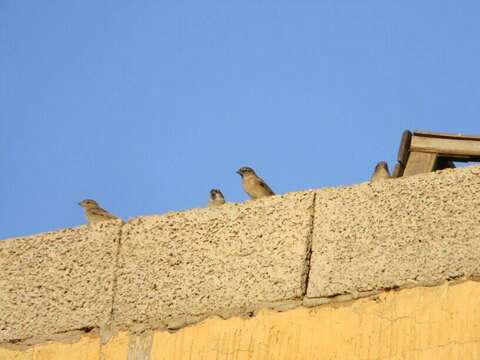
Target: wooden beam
{"x": 446, "y": 146}
{"x": 419, "y": 163}
{"x": 404, "y": 148}
{"x": 398, "y": 170}
{"x": 446, "y": 135}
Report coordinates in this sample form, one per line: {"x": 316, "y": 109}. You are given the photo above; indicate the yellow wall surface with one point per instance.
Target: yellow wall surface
{"x": 436, "y": 323}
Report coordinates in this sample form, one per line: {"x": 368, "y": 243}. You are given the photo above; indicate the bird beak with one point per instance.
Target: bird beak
{"x": 238, "y": 172}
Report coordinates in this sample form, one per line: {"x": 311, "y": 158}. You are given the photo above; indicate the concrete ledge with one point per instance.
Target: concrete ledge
{"x": 175, "y": 269}
{"x": 419, "y": 230}
{"x": 57, "y": 281}
{"x": 180, "y": 267}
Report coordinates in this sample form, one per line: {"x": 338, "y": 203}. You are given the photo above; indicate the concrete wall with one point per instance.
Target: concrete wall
{"x": 57, "y": 282}
{"x": 178, "y": 268}
{"x": 306, "y": 248}
{"x": 441, "y": 323}
{"x": 420, "y": 230}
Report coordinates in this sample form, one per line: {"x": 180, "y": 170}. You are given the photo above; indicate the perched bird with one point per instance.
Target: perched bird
{"x": 381, "y": 172}
{"x": 254, "y": 186}
{"x": 94, "y": 213}
{"x": 216, "y": 198}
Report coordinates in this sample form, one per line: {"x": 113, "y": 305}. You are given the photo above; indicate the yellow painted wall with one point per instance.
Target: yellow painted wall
{"x": 436, "y": 323}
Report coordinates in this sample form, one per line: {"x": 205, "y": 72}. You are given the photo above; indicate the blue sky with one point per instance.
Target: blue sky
{"x": 146, "y": 105}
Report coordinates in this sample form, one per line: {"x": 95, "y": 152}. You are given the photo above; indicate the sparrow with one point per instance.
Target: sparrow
{"x": 216, "y": 198}
{"x": 94, "y": 213}
{"x": 381, "y": 172}
{"x": 254, "y": 186}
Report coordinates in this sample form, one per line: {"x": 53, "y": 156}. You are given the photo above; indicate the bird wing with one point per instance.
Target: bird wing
{"x": 265, "y": 186}
{"x": 103, "y": 213}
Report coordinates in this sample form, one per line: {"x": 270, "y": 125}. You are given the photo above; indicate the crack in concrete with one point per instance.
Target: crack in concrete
{"x": 65, "y": 337}
{"x": 308, "y": 256}
{"x": 115, "y": 275}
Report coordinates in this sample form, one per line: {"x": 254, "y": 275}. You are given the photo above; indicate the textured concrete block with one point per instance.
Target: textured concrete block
{"x": 57, "y": 281}
{"x": 416, "y": 230}
{"x": 182, "y": 266}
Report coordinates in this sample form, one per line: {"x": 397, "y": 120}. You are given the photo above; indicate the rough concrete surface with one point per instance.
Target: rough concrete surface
{"x": 424, "y": 323}
{"x": 188, "y": 265}
{"x": 416, "y": 230}
{"x": 177, "y": 268}
{"x": 57, "y": 281}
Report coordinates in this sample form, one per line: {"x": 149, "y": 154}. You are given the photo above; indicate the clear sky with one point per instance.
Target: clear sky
{"x": 147, "y": 105}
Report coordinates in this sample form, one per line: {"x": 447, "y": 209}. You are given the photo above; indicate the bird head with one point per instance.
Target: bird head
{"x": 215, "y": 193}
{"x": 245, "y": 170}
{"x": 381, "y": 165}
{"x": 88, "y": 203}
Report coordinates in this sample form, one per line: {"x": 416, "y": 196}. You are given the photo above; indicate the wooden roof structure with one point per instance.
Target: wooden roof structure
{"x": 424, "y": 151}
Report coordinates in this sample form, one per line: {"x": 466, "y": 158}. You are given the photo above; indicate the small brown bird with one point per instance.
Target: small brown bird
{"x": 254, "y": 186}
{"x": 216, "y": 198}
{"x": 381, "y": 172}
{"x": 94, "y": 213}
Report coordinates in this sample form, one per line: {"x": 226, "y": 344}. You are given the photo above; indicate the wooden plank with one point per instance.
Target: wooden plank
{"x": 445, "y": 135}
{"x": 398, "y": 171}
{"x": 404, "y": 148}
{"x": 443, "y": 146}
{"x": 419, "y": 163}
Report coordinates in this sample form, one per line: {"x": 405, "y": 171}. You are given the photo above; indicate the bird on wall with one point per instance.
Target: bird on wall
{"x": 216, "y": 198}
{"x": 254, "y": 186}
{"x": 94, "y": 213}
{"x": 381, "y": 172}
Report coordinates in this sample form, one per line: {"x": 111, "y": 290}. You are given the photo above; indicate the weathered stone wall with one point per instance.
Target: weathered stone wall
{"x": 306, "y": 248}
